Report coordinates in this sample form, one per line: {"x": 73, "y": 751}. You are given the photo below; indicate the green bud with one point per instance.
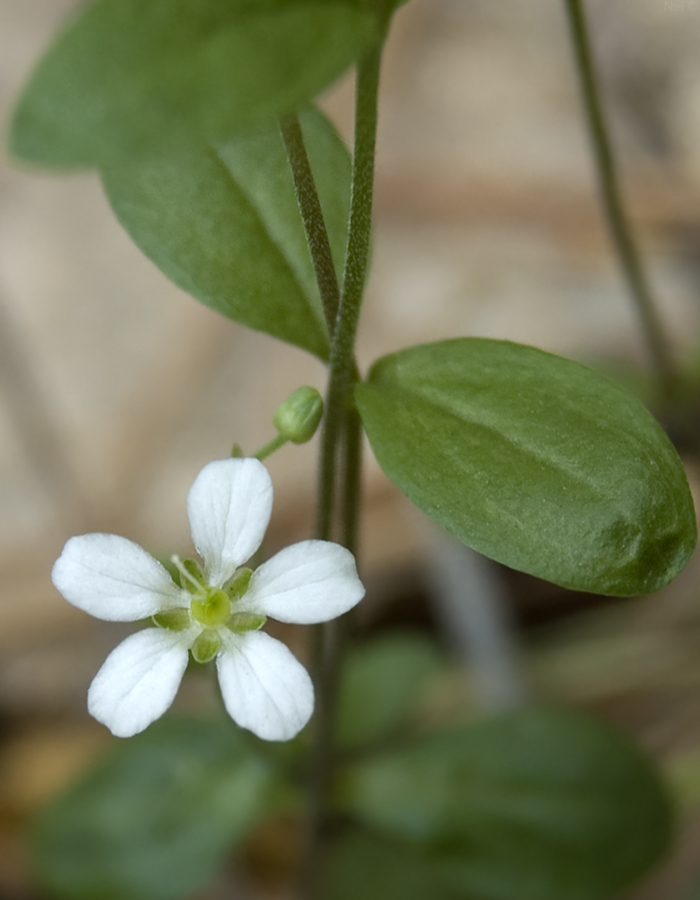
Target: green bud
{"x": 298, "y": 417}
{"x": 206, "y": 646}
{"x": 172, "y": 619}
{"x": 239, "y": 623}
{"x": 213, "y": 610}
{"x": 239, "y": 584}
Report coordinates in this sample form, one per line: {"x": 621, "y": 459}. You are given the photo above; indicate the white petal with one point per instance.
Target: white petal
{"x": 229, "y": 506}
{"x": 312, "y": 581}
{"x": 139, "y": 680}
{"x": 113, "y": 578}
{"x": 265, "y": 688}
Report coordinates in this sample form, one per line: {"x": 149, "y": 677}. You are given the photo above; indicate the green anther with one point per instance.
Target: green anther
{"x": 239, "y": 584}
{"x": 239, "y": 623}
{"x": 206, "y": 646}
{"x": 196, "y": 581}
{"x": 214, "y": 609}
{"x": 172, "y": 619}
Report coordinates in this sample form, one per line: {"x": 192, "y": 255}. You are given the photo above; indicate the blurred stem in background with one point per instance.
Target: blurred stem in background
{"x": 626, "y": 250}
{"x": 38, "y": 426}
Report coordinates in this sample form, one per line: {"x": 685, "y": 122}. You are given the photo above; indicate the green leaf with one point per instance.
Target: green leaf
{"x": 381, "y": 686}
{"x": 133, "y": 77}
{"x": 537, "y": 804}
{"x": 155, "y": 820}
{"x": 223, "y": 223}
{"x": 533, "y": 460}
{"x": 366, "y": 866}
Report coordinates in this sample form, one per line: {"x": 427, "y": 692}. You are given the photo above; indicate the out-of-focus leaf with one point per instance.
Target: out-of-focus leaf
{"x": 133, "y": 77}
{"x": 223, "y": 223}
{"x": 533, "y": 460}
{"x": 365, "y": 866}
{"x": 538, "y": 804}
{"x": 381, "y": 685}
{"x": 156, "y": 819}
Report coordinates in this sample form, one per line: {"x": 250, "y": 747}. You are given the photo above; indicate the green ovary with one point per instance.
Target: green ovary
{"x": 213, "y": 609}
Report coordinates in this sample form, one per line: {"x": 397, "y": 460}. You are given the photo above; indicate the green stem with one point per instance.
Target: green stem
{"x": 324, "y": 269}
{"x": 619, "y": 226}
{"x": 312, "y": 215}
{"x": 352, "y": 488}
{"x": 270, "y": 447}
{"x": 342, "y": 368}
{"x": 327, "y": 638}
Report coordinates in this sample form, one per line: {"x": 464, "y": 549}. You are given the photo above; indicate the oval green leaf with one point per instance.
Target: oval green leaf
{"x": 223, "y": 223}
{"x": 134, "y": 77}
{"x": 381, "y": 686}
{"x": 533, "y": 460}
{"x": 538, "y": 804}
{"x": 155, "y": 820}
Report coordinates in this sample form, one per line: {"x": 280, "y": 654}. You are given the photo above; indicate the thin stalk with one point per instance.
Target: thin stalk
{"x": 626, "y": 250}
{"x": 37, "y": 426}
{"x": 312, "y": 215}
{"x": 360, "y": 231}
{"x": 352, "y": 488}
{"x": 271, "y": 447}
{"x": 327, "y": 281}
{"x": 342, "y": 367}
{"x": 327, "y": 638}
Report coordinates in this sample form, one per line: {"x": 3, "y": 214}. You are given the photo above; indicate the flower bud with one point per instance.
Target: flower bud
{"x": 297, "y": 418}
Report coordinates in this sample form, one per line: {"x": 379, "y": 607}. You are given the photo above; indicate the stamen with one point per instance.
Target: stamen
{"x": 238, "y": 585}
{"x": 182, "y": 569}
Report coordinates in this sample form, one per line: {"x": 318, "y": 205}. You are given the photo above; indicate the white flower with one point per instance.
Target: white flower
{"x": 216, "y": 614}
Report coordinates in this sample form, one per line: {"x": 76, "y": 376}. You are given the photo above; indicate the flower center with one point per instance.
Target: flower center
{"x": 212, "y": 609}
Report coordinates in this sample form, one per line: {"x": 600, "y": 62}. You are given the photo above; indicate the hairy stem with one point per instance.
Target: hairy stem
{"x": 312, "y": 215}
{"x": 626, "y": 249}
{"x": 340, "y": 419}
{"x": 342, "y": 369}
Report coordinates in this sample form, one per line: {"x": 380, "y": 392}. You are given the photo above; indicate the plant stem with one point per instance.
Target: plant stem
{"x": 338, "y": 419}
{"x": 342, "y": 371}
{"x": 312, "y": 215}
{"x": 626, "y": 250}
{"x": 37, "y": 426}
{"x": 271, "y": 446}
{"x": 352, "y": 488}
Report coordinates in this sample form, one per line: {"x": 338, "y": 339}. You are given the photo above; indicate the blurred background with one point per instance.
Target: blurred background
{"x": 116, "y": 387}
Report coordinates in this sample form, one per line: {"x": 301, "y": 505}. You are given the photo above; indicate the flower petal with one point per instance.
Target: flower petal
{"x": 139, "y": 680}
{"x": 229, "y": 506}
{"x": 312, "y": 581}
{"x": 265, "y": 688}
{"x": 113, "y": 578}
